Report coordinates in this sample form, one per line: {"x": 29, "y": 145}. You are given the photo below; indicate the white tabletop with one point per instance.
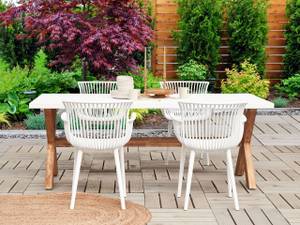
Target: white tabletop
{"x": 55, "y": 101}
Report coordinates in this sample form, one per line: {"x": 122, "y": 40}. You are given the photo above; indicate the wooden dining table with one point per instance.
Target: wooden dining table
{"x": 51, "y": 103}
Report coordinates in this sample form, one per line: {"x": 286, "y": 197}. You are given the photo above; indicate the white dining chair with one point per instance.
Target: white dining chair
{"x": 209, "y": 128}
{"x": 195, "y": 87}
{"x": 98, "y": 126}
{"x": 97, "y": 87}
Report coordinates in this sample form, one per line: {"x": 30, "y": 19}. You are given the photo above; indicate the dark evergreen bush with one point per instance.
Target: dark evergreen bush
{"x": 247, "y": 30}
{"x": 292, "y": 56}
{"x": 198, "y": 37}
{"x": 14, "y": 50}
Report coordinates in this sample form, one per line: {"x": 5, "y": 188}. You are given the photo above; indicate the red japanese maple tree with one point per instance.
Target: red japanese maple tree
{"x": 104, "y": 34}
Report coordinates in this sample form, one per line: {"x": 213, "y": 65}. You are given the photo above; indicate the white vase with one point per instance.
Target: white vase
{"x": 125, "y": 85}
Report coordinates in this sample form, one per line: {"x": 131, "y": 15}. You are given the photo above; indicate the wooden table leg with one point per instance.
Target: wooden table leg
{"x": 51, "y": 163}
{"x": 244, "y": 162}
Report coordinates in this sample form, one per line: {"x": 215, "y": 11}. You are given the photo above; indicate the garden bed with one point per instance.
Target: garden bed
{"x": 291, "y": 104}
{"x": 153, "y": 125}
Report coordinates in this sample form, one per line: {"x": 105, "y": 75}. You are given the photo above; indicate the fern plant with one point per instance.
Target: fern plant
{"x": 46, "y": 81}
{"x": 4, "y": 119}
{"x": 199, "y": 36}
{"x": 247, "y": 30}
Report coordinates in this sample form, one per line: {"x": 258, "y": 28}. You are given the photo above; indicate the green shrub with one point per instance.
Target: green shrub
{"x": 290, "y": 87}
{"x": 192, "y": 71}
{"x": 292, "y": 55}
{"x": 247, "y": 30}
{"x": 199, "y": 36}
{"x": 15, "y": 81}
{"x": 138, "y": 78}
{"x": 14, "y": 50}
{"x": 3, "y": 6}
{"x": 15, "y": 105}
{"x": 245, "y": 80}
{"x": 45, "y": 81}
{"x": 37, "y": 122}
{"x": 140, "y": 114}
{"x": 280, "y": 102}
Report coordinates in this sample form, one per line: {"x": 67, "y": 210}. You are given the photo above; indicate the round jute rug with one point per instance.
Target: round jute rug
{"x": 53, "y": 209}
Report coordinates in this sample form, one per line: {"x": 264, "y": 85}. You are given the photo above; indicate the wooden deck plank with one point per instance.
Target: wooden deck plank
{"x": 223, "y": 217}
{"x": 240, "y": 217}
{"x": 292, "y": 215}
{"x": 257, "y": 216}
{"x": 278, "y": 201}
{"x": 275, "y": 217}
{"x": 153, "y": 182}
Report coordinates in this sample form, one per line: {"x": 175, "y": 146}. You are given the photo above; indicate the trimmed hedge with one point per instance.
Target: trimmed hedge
{"x": 247, "y": 30}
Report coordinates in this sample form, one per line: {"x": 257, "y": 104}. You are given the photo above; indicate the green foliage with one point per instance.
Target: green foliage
{"x": 280, "y": 102}
{"x": 14, "y": 50}
{"x": 3, "y": 7}
{"x": 138, "y": 78}
{"x": 192, "y": 71}
{"x": 247, "y": 30}
{"x": 37, "y": 122}
{"x": 146, "y": 5}
{"x": 140, "y": 114}
{"x": 15, "y": 105}
{"x": 4, "y": 119}
{"x": 155, "y": 111}
{"x": 15, "y": 81}
{"x": 292, "y": 55}
{"x": 245, "y": 80}
{"x": 290, "y": 87}
{"x": 199, "y": 36}
{"x": 45, "y": 81}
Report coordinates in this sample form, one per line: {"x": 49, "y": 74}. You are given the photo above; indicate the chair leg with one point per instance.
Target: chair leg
{"x": 181, "y": 171}
{"x": 229, "y": 182}
{"x": 76, "y": 173}
{"x": 207, "y": 159}
{"x": 122, "y": 162}
{"x": 201, "y": 155}
{"x": 189, "y": 180}
{"x": 170, "y": 126}
{"x": 167, "y": 157}
{"x": 119, "y": 178}
{"x": 232, "y": 180}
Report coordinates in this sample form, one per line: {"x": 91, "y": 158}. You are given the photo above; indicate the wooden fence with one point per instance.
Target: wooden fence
{"x": 165, "y": 13}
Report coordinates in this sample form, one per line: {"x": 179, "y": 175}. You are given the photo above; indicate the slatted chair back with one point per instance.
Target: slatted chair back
{"x": 210, "y": 127}
{"x": 195, "y": 87}
{"x": 97, "y": 87}
{"x": 98, "y": 125}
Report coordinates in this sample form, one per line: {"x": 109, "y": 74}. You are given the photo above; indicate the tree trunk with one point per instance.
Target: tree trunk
{"x": 84, "y": 70}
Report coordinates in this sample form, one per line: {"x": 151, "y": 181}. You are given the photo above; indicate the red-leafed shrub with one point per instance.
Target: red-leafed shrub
{"x": 104, "y": 34}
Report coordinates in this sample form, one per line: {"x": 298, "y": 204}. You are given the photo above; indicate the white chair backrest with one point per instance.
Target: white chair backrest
{"x": 98, "y": 125}
{"x": 195, "y": 87}
{"x": 97, "y": 87}
{"x": 210, "y": 126}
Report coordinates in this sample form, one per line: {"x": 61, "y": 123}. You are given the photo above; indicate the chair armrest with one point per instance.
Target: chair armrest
{"x": 132, "y": 117}
{"x": 177, "y": 119}
{"x": 244, "y": 119}
{"x": 64, "y": 117}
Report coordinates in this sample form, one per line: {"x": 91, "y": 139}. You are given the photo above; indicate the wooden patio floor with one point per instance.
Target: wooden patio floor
{"x": 153, "y": 182}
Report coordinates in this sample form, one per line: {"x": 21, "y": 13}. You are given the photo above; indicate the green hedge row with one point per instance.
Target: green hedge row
{"x": 201, "y": 23}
